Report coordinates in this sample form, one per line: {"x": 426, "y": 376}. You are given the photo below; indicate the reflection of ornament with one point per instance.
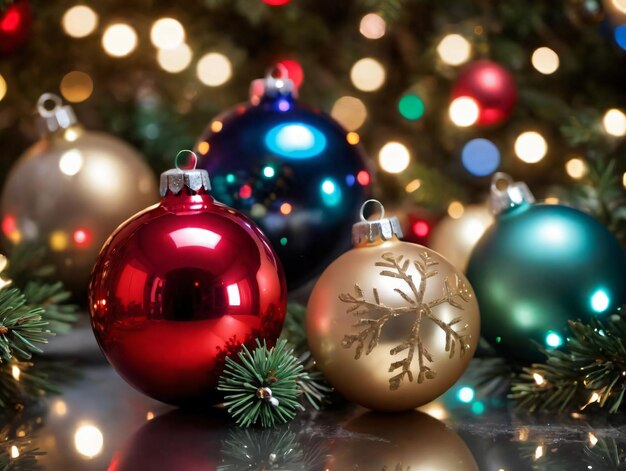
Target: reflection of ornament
{"x": 491, "y": 86}
{"x": 538, "y": 266}
{"x": 15, "y": 25}
{"x": 455, "y": 238}
{"x": 290, "y": 168}
{"x": 186, "y": 440}
{"x": 180, "y": 286}
{"x": 413, "y": 440}
{"x": 392, "y": 325}
{"x": 71, "y": 189}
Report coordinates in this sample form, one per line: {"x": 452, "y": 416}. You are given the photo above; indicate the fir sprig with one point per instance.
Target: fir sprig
{"x": 21, "y": 326}
{"x": 262, "y": 387}
{"x": 591, "y": 368}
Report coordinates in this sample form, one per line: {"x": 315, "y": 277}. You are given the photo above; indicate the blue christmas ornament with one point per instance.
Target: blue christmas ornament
{"x": 539, "y": 265}
{"x": 293, "y": 170}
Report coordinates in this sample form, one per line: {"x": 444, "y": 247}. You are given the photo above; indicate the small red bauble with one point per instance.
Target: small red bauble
{"x": 180, "y": 286}
{"x": 492, "y": 87}
{"x": 15, "y": 25}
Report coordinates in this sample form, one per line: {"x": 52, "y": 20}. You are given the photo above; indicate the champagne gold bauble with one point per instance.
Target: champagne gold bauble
{"x": 455, "y": 238}
{"x": 392, "y": 325}
{"x": 70, "y": 190}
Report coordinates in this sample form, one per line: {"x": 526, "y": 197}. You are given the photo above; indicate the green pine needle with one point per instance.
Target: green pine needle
{"x": 590, "y": 369}
{"x": 262, "y": 387}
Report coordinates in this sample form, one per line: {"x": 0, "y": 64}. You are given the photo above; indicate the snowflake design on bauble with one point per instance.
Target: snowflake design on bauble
{"x": 374, "y": 315}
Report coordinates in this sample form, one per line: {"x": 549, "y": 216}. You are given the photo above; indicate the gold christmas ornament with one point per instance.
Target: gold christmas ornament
{"x": 71, "y": 189}
{"x": 392, "y": 325}
{"x": 455, "y": 238}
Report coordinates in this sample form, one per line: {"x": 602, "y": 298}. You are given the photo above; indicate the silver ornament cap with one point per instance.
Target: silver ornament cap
{"x": 275, "y": 84}
{"x": 506, "y": 193}
{"x": 174, "y": 180}
{"x": 383, "y": 228}
{"x": 55, "y": 118}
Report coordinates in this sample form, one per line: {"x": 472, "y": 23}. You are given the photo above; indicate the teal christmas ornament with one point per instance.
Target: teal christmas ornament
{"x": 538, "y": 266}
{"x": 291, "y": 168}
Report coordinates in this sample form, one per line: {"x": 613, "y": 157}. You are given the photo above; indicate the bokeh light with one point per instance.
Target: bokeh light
{"x": 620, "y": 36}
{"x": 167, "y": 33}
{"x": 600, "y": 301}
{"x": 463, "y": 111}
{"x": 175, "y": 60}
{"x": 480, "y": 157}
{"x": 530, "y": 147}
{"x": 372, "y": 26}
{"x": 285, "y": 209}
{"x": 79, "y": 21}
{"x": 81, "y": 237}
{"x": 465, "y": 394}
{"x": 276, "y": 3}
{"x": 411, "y": 107}
{"x": 545, "y": 60}
{"x": 420, "y": 228}
{"x": 88, "y": 440}
{"x": 3, "y": 87}
{"x": 119, "y": 40}
{"x": 350, "y": 112}
{"x": 268, "y": 171}
{"x": 620, "y": 5}
{"x": 576, "y": 168}
{"x": 331, "y": 192}
{"x": 76, "y": 86}
{"x": 614, "y": 122}
{"x": 214, "y": 69}
{"x": 553, "y": 339}
{"x": 454, "y": 49}
{"x": 353, "y": 138}
{"x": 394, "y": 157}
{"x": 363, "y": 177}
{"x": 367, "y": 74}
{"x": 456, "y": 209}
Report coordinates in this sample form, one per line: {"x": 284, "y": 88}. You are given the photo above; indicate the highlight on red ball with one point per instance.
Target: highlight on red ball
{"x": 81, "y": 237}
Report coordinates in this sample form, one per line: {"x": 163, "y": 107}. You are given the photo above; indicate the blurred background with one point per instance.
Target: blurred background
{"x": 547, "y": 107}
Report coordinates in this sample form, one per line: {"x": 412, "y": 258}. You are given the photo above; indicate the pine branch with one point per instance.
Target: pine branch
{"x": 591, "y": 368}
{"x": 21, "y": 327}
{"x": 262, "y": 386}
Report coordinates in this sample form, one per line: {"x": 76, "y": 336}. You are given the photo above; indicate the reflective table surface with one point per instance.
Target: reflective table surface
{"x": 100, "y": 423}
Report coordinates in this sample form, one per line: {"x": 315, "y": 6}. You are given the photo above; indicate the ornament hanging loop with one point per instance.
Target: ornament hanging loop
{"x": 195, "y": 179}
{"x": 507, "y": 193}
{"x": 381, "y": 229}
{"x": 373, "y": 201}
{"x": 58, "y": 117}
{"x": 195, "y": 159}
{"x": 46, "y": 98}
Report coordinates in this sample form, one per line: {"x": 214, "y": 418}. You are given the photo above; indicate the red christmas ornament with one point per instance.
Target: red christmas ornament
{"x": 15, "y": 25}
{"x": 492, "y": 87}
{"x": 180, "y": 286}
{"x": 293, "y": 71}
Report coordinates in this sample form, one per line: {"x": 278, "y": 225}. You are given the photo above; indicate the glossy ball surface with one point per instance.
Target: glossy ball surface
{"x": 68, "y": 192}
{"x": 293, "y": 171}
{"x": 177, "y": 288}
{"x": 386, "y": 335}
{"x": 537, "y": 267}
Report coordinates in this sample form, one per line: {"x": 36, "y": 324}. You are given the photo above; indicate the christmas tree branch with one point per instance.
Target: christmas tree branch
{"x": 590, "y": 369}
